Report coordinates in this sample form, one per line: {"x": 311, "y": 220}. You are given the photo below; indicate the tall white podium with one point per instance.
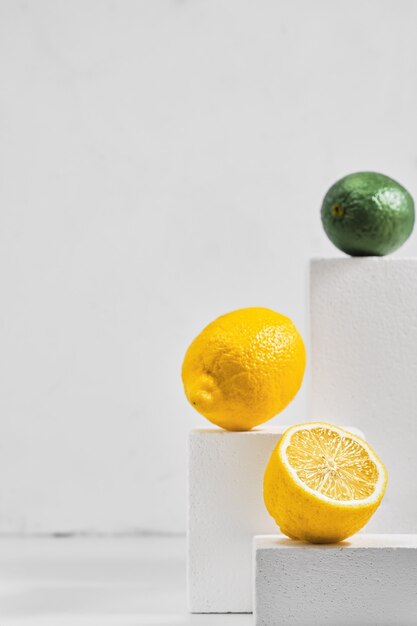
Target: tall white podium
{"x": 363, "y": 358}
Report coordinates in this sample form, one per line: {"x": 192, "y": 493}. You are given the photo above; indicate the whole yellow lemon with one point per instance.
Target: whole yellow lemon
{"x": 244, "y": 368}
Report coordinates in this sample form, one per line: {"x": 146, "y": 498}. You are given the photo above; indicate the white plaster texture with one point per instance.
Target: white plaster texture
{"x": 369, "y": 580}
{"x": 363, "y": 361}
{"x": 225, "y": 511}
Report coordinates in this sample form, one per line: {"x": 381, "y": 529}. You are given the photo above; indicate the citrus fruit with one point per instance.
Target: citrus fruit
{"x": 322, "y": 484}
{"x": 367, "y": 214}
{"x": 244, "y": 368}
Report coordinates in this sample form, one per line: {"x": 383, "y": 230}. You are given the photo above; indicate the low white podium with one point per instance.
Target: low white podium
{"x": 363, "y": 359}
{"x": 368, "y": 580}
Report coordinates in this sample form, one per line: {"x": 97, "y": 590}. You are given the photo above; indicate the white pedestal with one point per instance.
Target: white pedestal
{"x": 225, "y": 511}
{"x": 363, "y": 359}
{"x": 369, "y": 580}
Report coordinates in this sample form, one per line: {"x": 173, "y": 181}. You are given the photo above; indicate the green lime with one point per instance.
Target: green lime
{"x": 367, "y": 214}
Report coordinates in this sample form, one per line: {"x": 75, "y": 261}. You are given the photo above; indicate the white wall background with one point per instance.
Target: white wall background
{"x": 162, "y": 163}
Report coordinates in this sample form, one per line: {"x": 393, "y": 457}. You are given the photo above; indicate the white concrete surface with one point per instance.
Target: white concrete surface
{"x": 225, "y": 510}
{"x": 368, "y": 580}
{"x": 363, "y": 361}
{"x": 162, "y": 163}
{"x": 98, "y": 582}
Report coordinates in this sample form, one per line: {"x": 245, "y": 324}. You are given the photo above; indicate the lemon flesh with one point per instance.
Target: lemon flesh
{"x": 322, "y": 483}
{"x": 332, "y": 464}
{"x": 244, "y": 368}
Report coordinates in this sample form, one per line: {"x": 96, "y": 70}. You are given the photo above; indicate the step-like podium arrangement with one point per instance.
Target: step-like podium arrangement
{"x": 364, "y": 363}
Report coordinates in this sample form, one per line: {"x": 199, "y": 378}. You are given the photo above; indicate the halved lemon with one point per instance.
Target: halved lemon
{"x": 322, "y": 483}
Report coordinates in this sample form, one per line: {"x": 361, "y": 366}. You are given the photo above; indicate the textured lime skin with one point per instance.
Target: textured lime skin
{"x": 367, "y": 214}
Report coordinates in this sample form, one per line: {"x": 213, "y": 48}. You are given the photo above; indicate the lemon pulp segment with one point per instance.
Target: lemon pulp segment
{"x": 332, "y": 464}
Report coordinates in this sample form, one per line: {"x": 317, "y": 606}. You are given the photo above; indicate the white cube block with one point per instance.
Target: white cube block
{"x": 369, "y": 580}
{"x": 225, "y": 510}
{"x": 363, "y": 360}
